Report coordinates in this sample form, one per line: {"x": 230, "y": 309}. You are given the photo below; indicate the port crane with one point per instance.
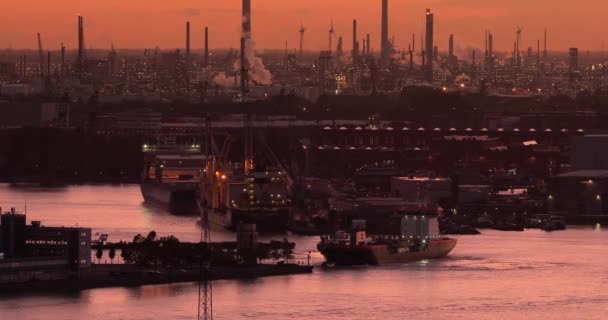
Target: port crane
{"x": 41, "y": 55}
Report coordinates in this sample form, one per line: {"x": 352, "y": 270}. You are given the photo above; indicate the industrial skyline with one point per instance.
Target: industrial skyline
{"x": 278, "y": 24}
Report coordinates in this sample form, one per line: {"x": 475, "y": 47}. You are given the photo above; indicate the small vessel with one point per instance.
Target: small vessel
{"x": 418, "y": 239}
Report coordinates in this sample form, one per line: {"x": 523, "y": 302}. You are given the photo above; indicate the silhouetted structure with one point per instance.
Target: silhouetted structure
{"x": 428, "y": 72}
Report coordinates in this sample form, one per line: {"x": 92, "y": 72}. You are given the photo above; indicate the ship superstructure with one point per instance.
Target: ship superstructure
{"x": 171, "y": 177}
{"x": 409, "y": 237}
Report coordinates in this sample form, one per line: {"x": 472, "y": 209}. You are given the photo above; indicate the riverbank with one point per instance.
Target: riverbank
{"x": 120, "y": 275}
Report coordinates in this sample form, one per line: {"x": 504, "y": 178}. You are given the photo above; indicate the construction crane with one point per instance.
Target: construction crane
{"x": 302, "y": 30}
{"x": 41, "y": 55}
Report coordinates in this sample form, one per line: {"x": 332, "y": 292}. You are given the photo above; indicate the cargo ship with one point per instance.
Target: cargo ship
{"x": 259, "y": 197}
{"x": 171, "y": 179}
{"x": 418, "y": 239}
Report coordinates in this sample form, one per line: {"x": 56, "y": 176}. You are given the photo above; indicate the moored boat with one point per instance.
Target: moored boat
{"x": 418, "y": 239}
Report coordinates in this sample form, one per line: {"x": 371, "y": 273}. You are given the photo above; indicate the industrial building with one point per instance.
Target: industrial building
{"x": 34, "y": 251}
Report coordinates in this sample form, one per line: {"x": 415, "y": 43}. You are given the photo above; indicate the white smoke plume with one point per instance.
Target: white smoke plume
{"x": 257, "y": 70}
{"x": 221, "y": 79}
{"x": 258, "y": 74}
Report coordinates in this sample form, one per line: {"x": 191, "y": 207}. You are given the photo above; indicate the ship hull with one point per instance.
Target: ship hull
{"x": 176, "y": 200}
{"x": 380, "y": 254}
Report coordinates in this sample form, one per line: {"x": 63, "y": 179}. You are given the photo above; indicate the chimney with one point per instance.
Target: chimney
{"x": 62, "y": 60}
{"x": 80, "y": 44}
{"x": 355, "y": 52}
{"x": 188, "y": 41}
{"x": 247, "y": 19}
{"x": 429, "y": 45}
{"x": 206, "y": 58}
{"x": 385, "y": 45}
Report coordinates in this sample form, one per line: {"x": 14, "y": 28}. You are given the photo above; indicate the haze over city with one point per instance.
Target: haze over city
{"x": 151, "y": 23}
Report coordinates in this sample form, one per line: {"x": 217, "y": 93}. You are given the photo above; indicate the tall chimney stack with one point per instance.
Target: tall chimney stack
{"x": 81, "y": 47}
{"x": 187, "y": 41}
{"x": 206, "y": 56}
{"x": 62, "y": 60}
{"x": 491, "y": 47}
{"x": 545, "y": 47}
{"x": 245, "y": 37}
{"x": 247, "y": 19}
{"x": 385, "y": 45}
{"x": 429, "y": 46}
{"x": 355, "y": 52}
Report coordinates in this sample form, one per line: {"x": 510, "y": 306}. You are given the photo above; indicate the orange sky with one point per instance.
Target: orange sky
{"x": 149, "y": 23}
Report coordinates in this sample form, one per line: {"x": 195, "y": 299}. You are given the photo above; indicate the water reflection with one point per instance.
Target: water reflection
{"x": 498, "y": 275}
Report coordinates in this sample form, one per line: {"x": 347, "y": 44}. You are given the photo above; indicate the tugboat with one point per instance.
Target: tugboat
{"x": 417, "y": 239}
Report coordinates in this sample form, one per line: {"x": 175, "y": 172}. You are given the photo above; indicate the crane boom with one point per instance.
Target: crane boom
{"x": 41, "y": 55}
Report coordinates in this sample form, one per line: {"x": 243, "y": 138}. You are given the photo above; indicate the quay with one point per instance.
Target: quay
{"x": 123, "y": 275}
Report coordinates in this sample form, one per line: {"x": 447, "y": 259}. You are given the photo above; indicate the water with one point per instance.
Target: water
{"x": 497, "y": 275}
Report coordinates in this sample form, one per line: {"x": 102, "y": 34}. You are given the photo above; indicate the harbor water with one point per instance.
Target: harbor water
{"x": 496, "y": 275}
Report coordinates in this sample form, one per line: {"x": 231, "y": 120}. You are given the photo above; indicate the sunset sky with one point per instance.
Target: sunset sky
{"x": 150, "y": 23}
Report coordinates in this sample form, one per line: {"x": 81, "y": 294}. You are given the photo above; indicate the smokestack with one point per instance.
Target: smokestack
{"x": 81, "y": 47}
{"x": 491, "y": 47}
{"x": 487, "y": 51}
{"x": 244, "y": 69}
{"x": 355, "y": 43}
{"x": 62, "y": 60}
{"x": 364, "y": 50}
{"x": 545, "y": 48}
{"x": 411, "y": 58}
{"x": 413, "y": 42}
{"x": 244, "y": 38}
{"x": 80, "y": 43}
{"x": 385, "y": 46}
{"x": 369, "y": 44}
{"x": 247, "y": 19}
{"x": 187, "y": 42}
{"x": 206, "y": 56}
{"x": 429, "y": 45}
